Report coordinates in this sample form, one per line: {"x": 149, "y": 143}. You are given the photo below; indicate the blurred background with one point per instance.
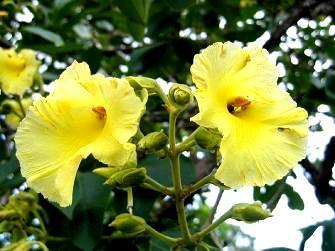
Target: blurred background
{"x": 158, "y": 39}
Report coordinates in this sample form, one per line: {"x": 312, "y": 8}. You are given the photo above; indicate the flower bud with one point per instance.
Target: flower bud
{"x": 249, "y": 212}
{"x": 153, "y": 142}
{"x": 142, "y": 82}
{"x": 180, "y": 95}
{"x": 8, "y": 106}
{"x": 107, "y": 171}
{"x": 9, "y": 214}
{"x": 22, "y": 246}
{"x": 127, "y": 177}
{"x": 129, "y": 224}
{"x": 207, "y": 138}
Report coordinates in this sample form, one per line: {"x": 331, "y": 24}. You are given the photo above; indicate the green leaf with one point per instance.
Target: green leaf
{"x": 135, "y": 10}
{"x": 179, "y": 4}
{"x": 136, "y": 30}
{"x": 159, "y": 169}
{"x": 69, "y": 211}
{"x": 330, "y": 84}
{"x": 87, "y": 222}
{"x": 10, "y": 176}
{"x": 59, "y": 4}
{"x": 93, "y": 57}
{"x": 45, "y": 34}
{"x": 8, "y": 167}
{"x": 272, "y": 195}
{"x": 146, "y": 56}
{"x": 294, "y": 199}
{"x": 328, "y": 240}
{"x": 307, "y": 232}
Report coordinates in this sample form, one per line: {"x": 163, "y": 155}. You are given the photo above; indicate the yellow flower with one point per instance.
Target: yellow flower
{"x": 85, "y": 114}
{"x": 17, "y": 70}
{"x": 264, "y": 132}
{"x": 14, "y": 117}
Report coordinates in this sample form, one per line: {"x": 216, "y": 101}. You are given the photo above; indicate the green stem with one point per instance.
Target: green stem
{"x": 130, "y": 200}
{"x": 40, "y": 220}
{"x": 161, "y": 236}
{"x": 187, "y": 143}
{"x": 139, "y": 134}
{"x": 215, "y": 208}
{"x": 40, "y": 244}
{"x": 40, "y": 83}
{"x": 198, "y": 236}
{"x": 19, "y": 101}
{"x": 176, "y": 177}
{"x": 199, "y": 184}
{"x": 161, "y": 94}
{"x": 57, "y": 238}
{"x": 158, "y": 187}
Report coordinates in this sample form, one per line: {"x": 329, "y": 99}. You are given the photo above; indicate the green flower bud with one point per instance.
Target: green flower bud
{"x": 8, "y": 106}
{"x": 153, "y": 142}
{"x": 207, "y": 138}
{"x": 142, "y": 82}
{"x": 107, "y": 171}
{"x": 129, "y": 224}
{"x": 180, "y": 95}
{"x": 127, "y": 177}
{"x": 23, "y": 246}
{"x": 249, "y": 212}
{"x": 9, "y": 214}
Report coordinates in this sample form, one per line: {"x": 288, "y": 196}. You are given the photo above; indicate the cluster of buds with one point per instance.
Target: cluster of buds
{"x": 122, "y": 177}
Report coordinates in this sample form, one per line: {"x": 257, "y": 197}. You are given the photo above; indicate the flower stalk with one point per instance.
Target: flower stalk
{"x": 175, "y": 168}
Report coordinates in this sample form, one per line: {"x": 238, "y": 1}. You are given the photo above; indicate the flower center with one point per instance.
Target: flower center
{"x": 238, "y": 104}
{"x": 100, "y": 111}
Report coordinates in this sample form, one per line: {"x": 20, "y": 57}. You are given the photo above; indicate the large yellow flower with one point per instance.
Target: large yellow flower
{"x": 264, "y": 132}
{"x": 85, "y": 114}
{"x": 17, "y": 70}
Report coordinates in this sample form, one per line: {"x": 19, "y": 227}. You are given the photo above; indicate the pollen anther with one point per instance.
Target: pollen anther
{"x": 238, "y": 104}
{"x": 100, "y": 110}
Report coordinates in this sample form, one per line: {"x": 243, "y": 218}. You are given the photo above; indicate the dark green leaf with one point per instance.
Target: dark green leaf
{"x": 87, "y": 222}
{"x": 330, "y": 84}
{"x": 159, "y": 169}
{"x": 179, "y": 4}
{"x": 8, "y": 167}
{"x": 307, "y": 232}
{"x": 45, "y": 34}
{"x": 328, "y": 242}
{"x": 135, "y": 10}
{"x": 294, "y": 199}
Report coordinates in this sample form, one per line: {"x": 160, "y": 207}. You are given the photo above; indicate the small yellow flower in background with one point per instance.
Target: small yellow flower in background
{"x": 3, "y": 13}
{"x": 17, "y": 70}
{"x": 85, "y": 114}
{"x": 14, "y": 117}
{"x": 264, "y": 132}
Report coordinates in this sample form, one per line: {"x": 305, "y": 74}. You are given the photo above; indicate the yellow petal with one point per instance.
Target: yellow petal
{"x": 257, "y": 154}
{"x": 51, "y": 141}
{"x": 17, "y": 70}
{"x": 79, "y": 72}
{"x": 121, "y": 95}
